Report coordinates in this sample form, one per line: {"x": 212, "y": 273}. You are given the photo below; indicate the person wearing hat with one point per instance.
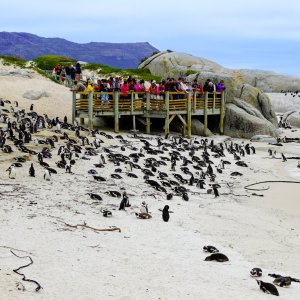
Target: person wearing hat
{"x": 90, "y": 86}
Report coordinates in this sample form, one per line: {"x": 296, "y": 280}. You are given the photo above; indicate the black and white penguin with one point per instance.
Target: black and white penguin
{"x": 95, "y": 196}
{"x": 169, "y": 196}
{"x": 165, "y": 213}
{"x": 47, "y": 175}
{"x": 219, "y": 257}
{"x": 31, "y": 107}
{"x": 215, "y": 189}
{"x": 210, "y": 249}
{"x": 267, "y": 287}
{"x": 283, "y": 281}
{"x": 31, "y": 171}
{"x": 11, "y": 172}
{"x": 144, "y": 208}
{"x": 256, "y": 272}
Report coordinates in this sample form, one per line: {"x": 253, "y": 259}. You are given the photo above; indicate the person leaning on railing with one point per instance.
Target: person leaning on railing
{"x": 220, "y": 87}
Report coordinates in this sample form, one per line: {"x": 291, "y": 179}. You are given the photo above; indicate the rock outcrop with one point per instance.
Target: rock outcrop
{"x": 35, "y": 95}
{"x": 15, "y": 73}
{"x": 292, "y": 117}
{"x": 248, "y": 109}
{"x": 180, "y": 64}
{"x": 241, "y": 123}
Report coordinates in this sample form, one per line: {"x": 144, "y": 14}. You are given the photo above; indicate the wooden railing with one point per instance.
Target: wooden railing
{"x": 147, "y": 105}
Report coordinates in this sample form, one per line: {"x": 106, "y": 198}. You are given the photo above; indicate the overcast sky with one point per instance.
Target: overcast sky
{"x": 255, "y": 34}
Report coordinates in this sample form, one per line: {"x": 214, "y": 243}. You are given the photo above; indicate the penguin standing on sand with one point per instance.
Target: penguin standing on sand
{"x": 165, "y": 213}
{"x": 267, "y": 287}
{"x": 11, "y": 172}
{"x": 47, "y": 175}
{"x": 124, "y": 202}
{"x": 31, "y": 171}
{"x": 215, "y": 189}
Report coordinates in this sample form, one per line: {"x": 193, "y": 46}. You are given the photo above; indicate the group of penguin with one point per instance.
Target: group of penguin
{"x": 194, "y": 154}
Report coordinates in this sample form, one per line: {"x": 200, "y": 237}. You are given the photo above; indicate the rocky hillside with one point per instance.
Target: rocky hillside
{"x": 181, "y": 64}
{"x": 28, "y": 46}
{"x": 248, "y": 109}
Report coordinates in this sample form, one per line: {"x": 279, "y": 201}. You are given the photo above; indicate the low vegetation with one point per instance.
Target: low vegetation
{"x": 47, "y": 62}
{"x": 190, "y": 72}
{"x": 13, "y": 60}
{"x": 106, "y": 71}
{"x": 44, "y": 64}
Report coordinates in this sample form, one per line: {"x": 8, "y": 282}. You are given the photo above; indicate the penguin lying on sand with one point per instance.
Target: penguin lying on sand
{"x": 267, "y": 287}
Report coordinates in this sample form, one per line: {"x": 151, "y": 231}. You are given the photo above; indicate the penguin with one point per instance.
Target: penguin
{"x": 283, "y": 157}
{"x": 31, "y": 107}
{"x": 267, "y": 287}
{"x": 165, "y": 213}
{"x": 11, "y": 172}
{"x": 210, "y": 249}
{"x": 185, "y": 196}
{"x": 47, "y": 175}
{"x": 283, "y": 281}
{"x": 144, "y": 208}
{"x": 68, "y": 168}
{"x": 106, "y": 213}
{"x": 219, "y": 257}
{"x": 31, "y": 171}
{"x": 256, "y": 272}
{"x": 216, "y": 192}
{"x": 95, "y": 196}
{"x": 122, "y": 204}
{"x": 169, "y": 196}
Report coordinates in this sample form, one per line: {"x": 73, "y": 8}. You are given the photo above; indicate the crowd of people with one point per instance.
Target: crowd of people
{"x": 67, "y": 74}
{"x": 127, "y": 85}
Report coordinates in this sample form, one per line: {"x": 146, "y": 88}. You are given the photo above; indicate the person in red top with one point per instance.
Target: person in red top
{"x": 125, "y": 90}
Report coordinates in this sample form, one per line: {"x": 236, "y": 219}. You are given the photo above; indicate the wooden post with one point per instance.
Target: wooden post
{"x": 116, "y": 111}
{"x": 90, "y": 111}
{"x": 73, "y": 107}
{"x": 189, "y": 114}
{"x": 167, "y": 124}
{"x": 148, "y": 119}
{"x": 81, "y": 120}
{"x": 194, "y": 101}
{"x": 214, "y": 103}
{"x": 205, "y": 114}
{"x": 222, "y": 113}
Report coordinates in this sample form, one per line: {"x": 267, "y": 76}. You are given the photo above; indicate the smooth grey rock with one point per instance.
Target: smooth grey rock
{"x": 239, "y": 123}
{"x": 263, "y": 138}
{"x": 15, "y": 73}
{"x": 35, "y": 95}
{"x": 260, "y": 101}
{"x": 198, "y": 128}
{"x": 293, "y": 118}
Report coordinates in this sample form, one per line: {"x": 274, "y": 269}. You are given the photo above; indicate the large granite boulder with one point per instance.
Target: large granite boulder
{"x": 176, "y": 64}
{"x": 260, "y": 101}
{"x": 242, "y": 123}
{"x": 292, "y": 117}
{"x": 35, "y": 95}
{"x": 198, "y": 128}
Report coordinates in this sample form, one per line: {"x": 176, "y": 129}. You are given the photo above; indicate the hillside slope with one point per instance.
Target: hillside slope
{"x": 29, "y": 46}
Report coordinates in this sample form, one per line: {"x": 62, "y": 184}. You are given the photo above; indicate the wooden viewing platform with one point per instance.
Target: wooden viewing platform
{"x": 145, "y": 106}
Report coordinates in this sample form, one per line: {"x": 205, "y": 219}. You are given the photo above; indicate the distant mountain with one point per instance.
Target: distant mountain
{"x": 29, "y": 46}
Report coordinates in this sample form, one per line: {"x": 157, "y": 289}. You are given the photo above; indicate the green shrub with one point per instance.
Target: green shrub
{"x": 107, "y": 71}
{"x": 190, "y": 72}
{"x": 13, "y": 60}
{"x": 47, "y": 62}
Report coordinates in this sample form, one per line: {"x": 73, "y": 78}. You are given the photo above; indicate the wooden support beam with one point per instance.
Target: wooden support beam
{"x": 73, "y": 107}
{"x": 182, "y": 120}
{"x": 214, "y": 103}
{"x": 116, "y": 111}
{"x": 171, "y": 118}
{"x": 205, "y": 114}
{"x": 148, "y": 120}
{"x": 167, "y": 124}
{"x": 222, "y": 113}
{"x": 90, "y": 109}
{"x": 189, "y": 115}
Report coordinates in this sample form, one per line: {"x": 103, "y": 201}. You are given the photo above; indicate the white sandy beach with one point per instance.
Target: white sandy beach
{"x": 148, "y": 259}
